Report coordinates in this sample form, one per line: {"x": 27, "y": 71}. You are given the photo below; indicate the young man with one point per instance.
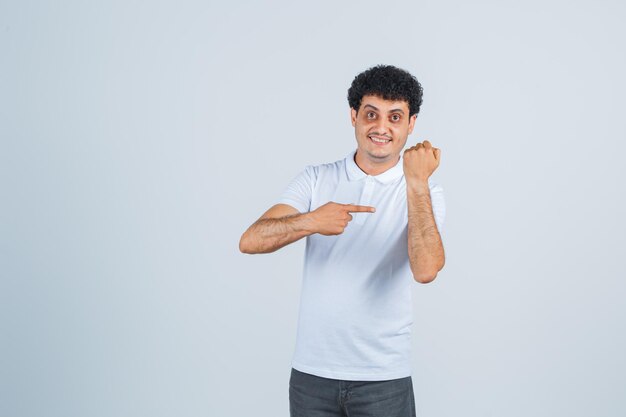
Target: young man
{"x": 371, "y": 222}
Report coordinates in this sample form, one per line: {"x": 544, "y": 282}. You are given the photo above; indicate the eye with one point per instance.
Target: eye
{"x": 371, "y": 115}
{"x": 395, "y": 117}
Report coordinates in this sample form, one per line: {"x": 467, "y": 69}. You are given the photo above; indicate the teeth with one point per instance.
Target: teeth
{"x": 379, "y": 140}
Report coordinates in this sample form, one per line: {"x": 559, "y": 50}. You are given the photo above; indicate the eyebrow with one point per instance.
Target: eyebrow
{"x": 390, "y": 111}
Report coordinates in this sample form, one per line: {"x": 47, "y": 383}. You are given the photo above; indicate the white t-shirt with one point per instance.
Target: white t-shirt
{"x": 355, "y": 306}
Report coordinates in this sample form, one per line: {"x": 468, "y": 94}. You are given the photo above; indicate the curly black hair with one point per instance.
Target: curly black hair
{"x": 389, "y": 83}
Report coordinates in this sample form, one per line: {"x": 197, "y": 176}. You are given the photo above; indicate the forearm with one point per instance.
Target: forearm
{"x": 426, "y": 254}
{"x": 269, "y": 235}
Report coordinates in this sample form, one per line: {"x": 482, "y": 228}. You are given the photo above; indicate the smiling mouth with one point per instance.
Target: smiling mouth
{"x": 379, "y": 140}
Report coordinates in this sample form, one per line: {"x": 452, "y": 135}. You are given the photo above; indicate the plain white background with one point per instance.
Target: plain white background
{"x": 140, "y": 140}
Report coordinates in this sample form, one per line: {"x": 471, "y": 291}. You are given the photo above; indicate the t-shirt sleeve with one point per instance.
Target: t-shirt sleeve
{"x": 439, "y": 206}
{"x": 299, "y": 191}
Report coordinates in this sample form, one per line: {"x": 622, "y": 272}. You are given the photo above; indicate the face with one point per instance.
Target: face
{"x": 382, "y": 128}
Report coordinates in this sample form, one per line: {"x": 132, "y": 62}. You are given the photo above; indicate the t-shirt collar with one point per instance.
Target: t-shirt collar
{"x": 355, "y": 173}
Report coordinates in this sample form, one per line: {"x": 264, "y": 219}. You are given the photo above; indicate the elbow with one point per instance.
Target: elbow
{"x": 426, "y": 269}
{"x": 244, "y": 247}
{"x": 424, "y": 278}
{"x": 250, "y": 246}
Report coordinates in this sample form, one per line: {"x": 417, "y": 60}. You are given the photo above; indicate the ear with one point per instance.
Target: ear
{"x": 412, "y": 123}
{"x": 353, "y": 116}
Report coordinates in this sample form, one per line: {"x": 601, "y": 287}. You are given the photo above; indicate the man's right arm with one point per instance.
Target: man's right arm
{"x": 283, "y": 224}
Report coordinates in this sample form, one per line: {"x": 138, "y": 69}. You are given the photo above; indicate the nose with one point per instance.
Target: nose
{"x": 382, "y": 127}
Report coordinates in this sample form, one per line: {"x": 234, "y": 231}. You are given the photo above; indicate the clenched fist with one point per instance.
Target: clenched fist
{"x": 420, "y": 161}
{"x": 332, "y": 218}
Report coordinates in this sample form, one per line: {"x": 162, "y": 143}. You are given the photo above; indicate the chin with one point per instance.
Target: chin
{"x": 380, "y": 154}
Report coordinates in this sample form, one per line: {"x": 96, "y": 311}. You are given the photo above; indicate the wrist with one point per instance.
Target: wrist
{"x": 418, "y": 186}
{"x": 308, "y": 223}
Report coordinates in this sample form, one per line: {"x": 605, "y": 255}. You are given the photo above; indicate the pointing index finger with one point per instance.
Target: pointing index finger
{"x": 355, "y": 208}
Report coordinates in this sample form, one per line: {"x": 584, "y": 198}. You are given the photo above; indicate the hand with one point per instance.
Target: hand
{"x": 332, "y": 218}
{"x": 420, "y": 161}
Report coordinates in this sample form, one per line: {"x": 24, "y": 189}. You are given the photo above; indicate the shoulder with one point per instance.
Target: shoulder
{"x": 327, "y": 168}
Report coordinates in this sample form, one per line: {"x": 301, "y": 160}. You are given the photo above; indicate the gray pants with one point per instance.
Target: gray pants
{"x": 314, "y": 396}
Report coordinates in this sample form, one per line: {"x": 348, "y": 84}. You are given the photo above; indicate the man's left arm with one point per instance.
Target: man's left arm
{"x": 426, "y": 254}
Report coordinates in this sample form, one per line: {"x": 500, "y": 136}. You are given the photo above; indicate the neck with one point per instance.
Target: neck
{"x": 375, "y": 167}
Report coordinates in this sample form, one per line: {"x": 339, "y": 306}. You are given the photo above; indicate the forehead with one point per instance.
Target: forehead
{"x": 384, "y": 105}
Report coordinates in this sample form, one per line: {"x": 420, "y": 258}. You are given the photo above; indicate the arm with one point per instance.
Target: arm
{"x": 283, "y": 224}
{"x": 426, "y": 254}
{"x": 278, "y": 227}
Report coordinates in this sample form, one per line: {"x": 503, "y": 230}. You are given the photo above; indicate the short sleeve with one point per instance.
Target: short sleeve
{"x": 299, "y": 191}
{"x": 439, "y": 205}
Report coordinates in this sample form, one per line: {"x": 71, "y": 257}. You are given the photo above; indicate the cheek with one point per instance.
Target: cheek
{"x": 366, "y": 126}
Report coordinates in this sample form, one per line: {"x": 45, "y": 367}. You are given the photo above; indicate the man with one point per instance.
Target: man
{"x": 372, "y": 223}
